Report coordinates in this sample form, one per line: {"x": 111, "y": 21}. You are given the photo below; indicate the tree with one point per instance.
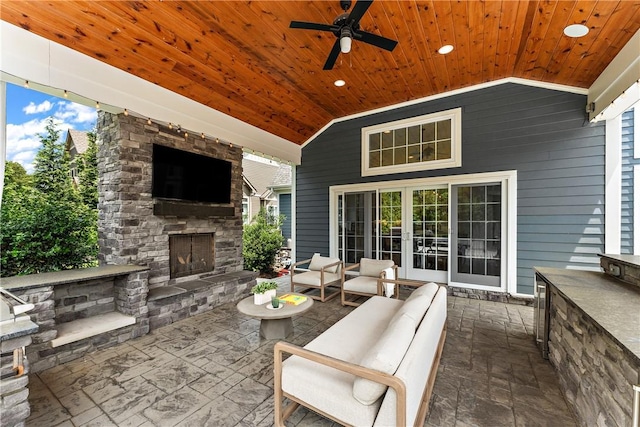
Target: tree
{"x": 51, "y": 167}
{"x": 261, "y": 241}
{"x": 15, "y": 174}
{"x": 44, "y": 224}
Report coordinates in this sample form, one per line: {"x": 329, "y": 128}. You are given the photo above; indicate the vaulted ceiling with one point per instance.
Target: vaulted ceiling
{"x": 241, "y": 57}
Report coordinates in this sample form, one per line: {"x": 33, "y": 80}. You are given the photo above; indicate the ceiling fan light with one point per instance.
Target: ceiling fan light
{"x": 345, "y": 44}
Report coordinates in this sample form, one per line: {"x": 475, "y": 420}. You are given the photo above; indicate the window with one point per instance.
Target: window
{"x": 432, "y": 141}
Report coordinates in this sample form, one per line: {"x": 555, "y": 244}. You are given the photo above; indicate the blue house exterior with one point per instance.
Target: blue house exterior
{"x": 536, "y": 143}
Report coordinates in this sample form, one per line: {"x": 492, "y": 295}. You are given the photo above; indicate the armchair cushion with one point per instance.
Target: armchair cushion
{"x": 373, "y": 267}
{"x": 364, "y": 284}
{"x": 385, "y": 356}
{"x": 318, "y": 261}
{"x": 312, "y": 278}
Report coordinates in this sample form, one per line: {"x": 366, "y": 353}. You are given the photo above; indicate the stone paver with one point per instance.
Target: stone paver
{"x": 215, "y": 370}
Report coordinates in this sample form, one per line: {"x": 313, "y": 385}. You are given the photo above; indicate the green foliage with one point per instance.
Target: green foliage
{"x": 16, "y": 175}
{"x": 51, "y": 167}
{"x": 261, "y": 241}
{"x": 88, "y": 173}
{"x": 44, "y": 224}
{"x": 263, "y": 287}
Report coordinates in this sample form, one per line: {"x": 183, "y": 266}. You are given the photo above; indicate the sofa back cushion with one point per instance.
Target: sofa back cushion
{"x": 373, "y": 267}
{"x": 318, "y": 261}
{"x": 416, "y": 305}
{"x": 385, "y": 356}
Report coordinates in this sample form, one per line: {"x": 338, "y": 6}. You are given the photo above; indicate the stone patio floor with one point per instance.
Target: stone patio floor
{"x": 214, "y": 370}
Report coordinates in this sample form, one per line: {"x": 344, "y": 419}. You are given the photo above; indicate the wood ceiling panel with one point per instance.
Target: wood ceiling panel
{"x": 241, "y": 57}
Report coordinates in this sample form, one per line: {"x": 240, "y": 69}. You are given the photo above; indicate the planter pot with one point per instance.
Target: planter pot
{"x": 259, "y": 299}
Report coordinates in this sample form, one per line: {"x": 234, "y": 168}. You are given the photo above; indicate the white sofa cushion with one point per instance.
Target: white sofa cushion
{"x": 416, "y": 365}
{"x": 384, "y": 356}
{"x": 416, "y": 305}
{"x": 328, "y": 389}
{"x": 313, "y": 278}
{"x": 373, "y": 267}
{"x": 318, "y": 261}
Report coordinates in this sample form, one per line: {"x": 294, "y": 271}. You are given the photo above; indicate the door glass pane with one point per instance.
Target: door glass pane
{"x": 390, "y": 203}
{"x": 430, "y": 229}
{"x": 354, "y": 227}
{"x": 478, "y": 225}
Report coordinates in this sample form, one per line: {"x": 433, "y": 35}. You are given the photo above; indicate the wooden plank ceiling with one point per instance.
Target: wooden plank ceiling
{"x": 240, "y": 57}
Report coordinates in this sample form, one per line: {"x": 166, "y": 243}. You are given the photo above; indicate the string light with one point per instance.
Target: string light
{"x": 126, "y": 112}
{"x": 217, "y": 140}
{"x": 26, "y": 84}
{"x": 97, "y": 105}
{"x": 170, "y": 126}
{"x": 186, "y": 134}
{"x": 149, "y": 121}
{"x": 66, "y": 94}
{"x": 202, "y": 135}
{"x": 230, "y": 145}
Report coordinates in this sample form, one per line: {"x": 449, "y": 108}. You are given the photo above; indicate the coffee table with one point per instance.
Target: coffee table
{"x": 277, "y": 323}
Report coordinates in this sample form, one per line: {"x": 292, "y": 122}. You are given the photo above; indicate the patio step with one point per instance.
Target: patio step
{"x": 80, "y": 329}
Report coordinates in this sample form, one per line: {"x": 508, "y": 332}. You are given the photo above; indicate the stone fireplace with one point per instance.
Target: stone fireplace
{"x": 184, "y": 244}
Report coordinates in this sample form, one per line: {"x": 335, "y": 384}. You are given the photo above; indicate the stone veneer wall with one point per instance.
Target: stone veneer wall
{"x": 128, "y": 231}
{"x": 129, "y": 292}
{"x": 595, "y": 373}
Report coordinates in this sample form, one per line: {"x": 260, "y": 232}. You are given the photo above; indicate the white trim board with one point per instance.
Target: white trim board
{"x": 517, "y": 80}
{"x": 27, "y": 56}
{"x": 613, "y": 183}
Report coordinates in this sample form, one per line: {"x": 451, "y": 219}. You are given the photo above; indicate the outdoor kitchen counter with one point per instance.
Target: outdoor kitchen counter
{"x": 611, "y": 304}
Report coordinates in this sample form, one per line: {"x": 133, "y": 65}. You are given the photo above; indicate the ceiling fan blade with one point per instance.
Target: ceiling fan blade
{"x": 333, "y": 55}
{"x": 376, "y": 40}
{"x": 313, "y": 26}
{"x": 359, "y": 10}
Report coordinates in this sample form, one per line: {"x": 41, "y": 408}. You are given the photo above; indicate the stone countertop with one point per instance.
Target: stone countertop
{"x": 632, "y": 260}
{"x": 68, "y": 276}
{"x": 20, "y": 327}
{"x": 613, "y": 305}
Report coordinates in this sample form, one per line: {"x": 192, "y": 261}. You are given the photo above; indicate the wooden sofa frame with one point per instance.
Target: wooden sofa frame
{"x": 283, "y": 413}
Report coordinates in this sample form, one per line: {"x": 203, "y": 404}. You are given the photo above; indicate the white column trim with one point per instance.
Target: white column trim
{"x": 613, "y": 185}
{"x": 636, "y": 131}
{"x": 3, "y": 133}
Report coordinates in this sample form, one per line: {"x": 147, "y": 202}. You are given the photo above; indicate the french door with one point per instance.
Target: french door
{"x": 447, "y": 230}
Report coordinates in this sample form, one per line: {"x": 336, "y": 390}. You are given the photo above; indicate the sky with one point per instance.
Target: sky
{"x": 27, "y": 113}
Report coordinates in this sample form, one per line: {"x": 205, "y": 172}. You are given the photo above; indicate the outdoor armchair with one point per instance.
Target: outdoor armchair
{"x": 322, "y": 273}
{"x": 370, "y": 280}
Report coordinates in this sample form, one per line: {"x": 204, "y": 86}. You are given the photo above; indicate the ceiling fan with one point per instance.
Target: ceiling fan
{"x": 346, "y": 27}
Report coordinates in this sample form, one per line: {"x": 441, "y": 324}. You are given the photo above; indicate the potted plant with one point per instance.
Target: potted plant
{"x": 263, "y": 292}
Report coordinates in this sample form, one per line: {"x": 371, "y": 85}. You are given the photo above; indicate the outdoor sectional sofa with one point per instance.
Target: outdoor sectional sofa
{"x": 374, "y": 367}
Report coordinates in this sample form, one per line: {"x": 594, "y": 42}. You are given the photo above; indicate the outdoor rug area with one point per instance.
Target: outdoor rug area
{"x": 214, "y": 370}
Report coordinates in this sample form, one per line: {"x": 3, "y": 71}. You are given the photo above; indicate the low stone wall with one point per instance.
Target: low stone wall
{"x": 65, "y": 296}
{"x": 172, "y": 303}
{"x": 14, "y": 392}
{"x": 595, "y": 374}
{"x": 488, "y": 296}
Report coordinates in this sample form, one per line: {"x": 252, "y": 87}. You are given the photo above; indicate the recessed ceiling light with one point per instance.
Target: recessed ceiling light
{"x": 447, "y": 48}
{"x": 576, "y": 30}
{"x": 339, "y": 83}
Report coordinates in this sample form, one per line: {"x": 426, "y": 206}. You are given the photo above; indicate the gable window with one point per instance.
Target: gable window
{"x": 432, "y": 141}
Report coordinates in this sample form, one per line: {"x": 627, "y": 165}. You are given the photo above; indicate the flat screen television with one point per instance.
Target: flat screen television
{"x": 181, "y": 175}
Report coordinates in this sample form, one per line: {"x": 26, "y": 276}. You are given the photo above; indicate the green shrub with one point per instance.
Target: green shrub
{"x": 261, "y": 241}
